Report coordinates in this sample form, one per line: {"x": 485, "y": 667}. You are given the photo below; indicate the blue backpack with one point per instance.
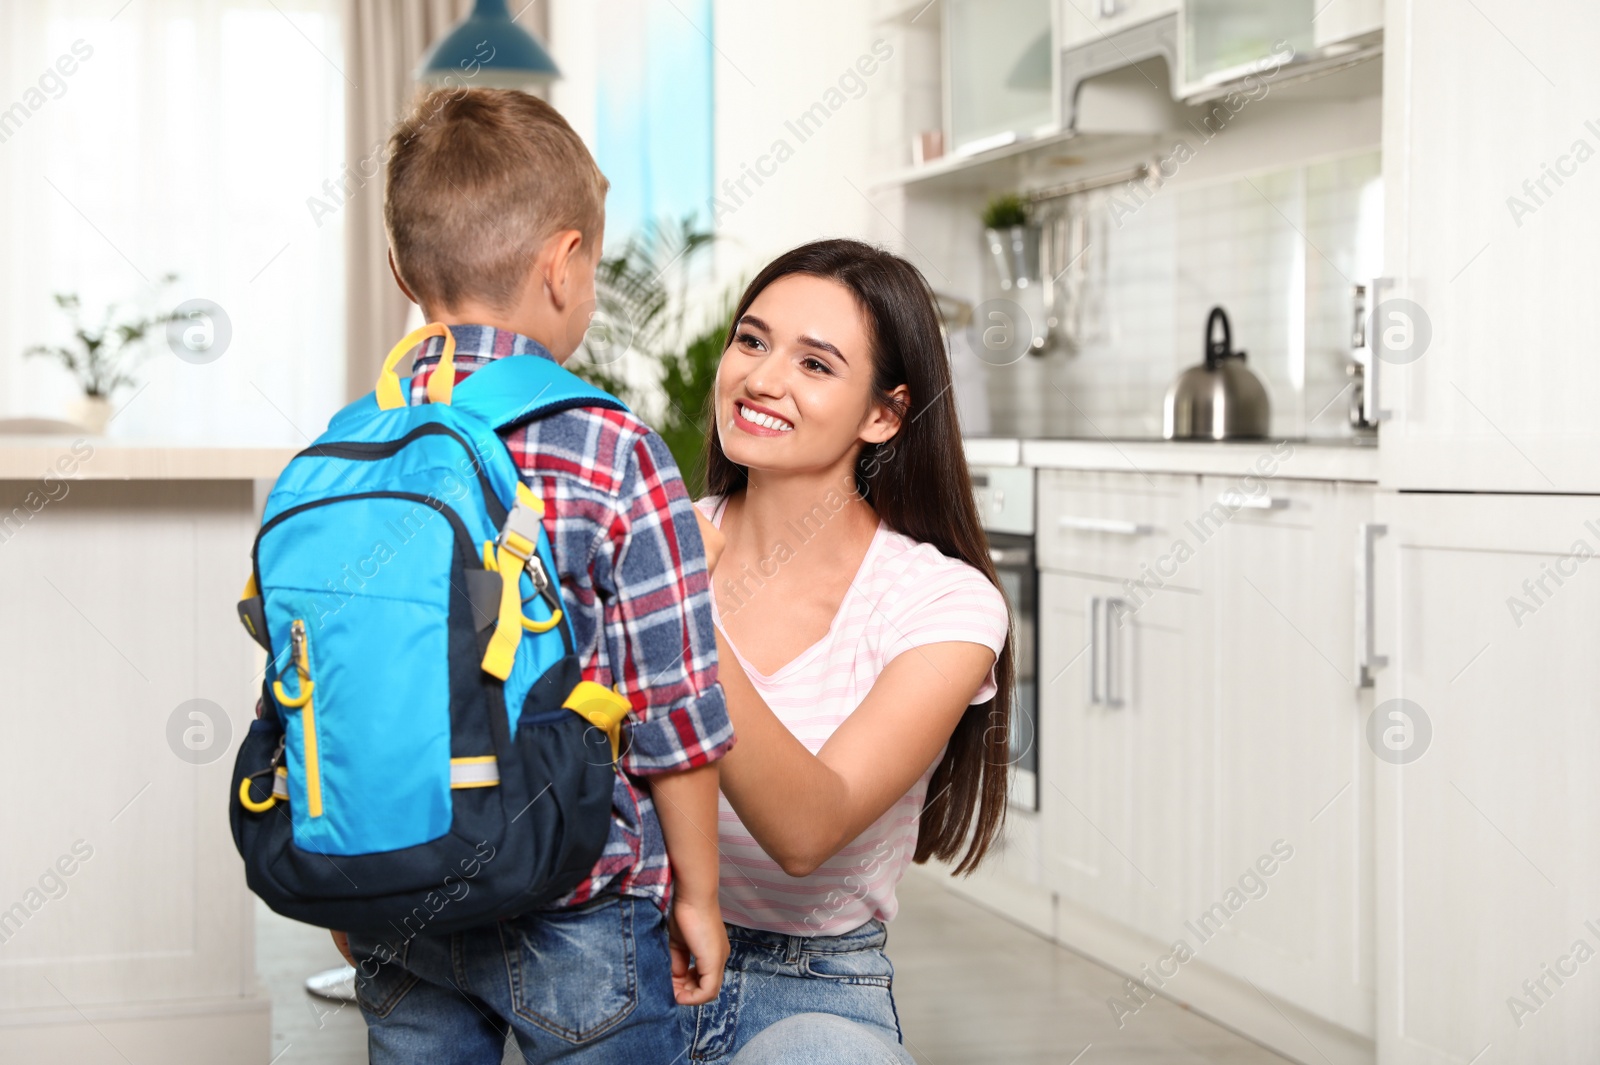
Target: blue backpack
{"x": 427, "y": 757}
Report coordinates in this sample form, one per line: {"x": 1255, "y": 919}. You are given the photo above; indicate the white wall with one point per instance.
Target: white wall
{"x": 774, "y": 62}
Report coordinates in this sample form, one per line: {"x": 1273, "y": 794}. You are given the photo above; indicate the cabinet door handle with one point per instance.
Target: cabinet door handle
{"x": 1105, "y": 525}
{"x": 1239, "y": 500}
{"x": 1114, "y": 609}
{"x": 1110, "y": 8}
{"x": 1093, "y": 618}
{"x": 1368, "y": 661}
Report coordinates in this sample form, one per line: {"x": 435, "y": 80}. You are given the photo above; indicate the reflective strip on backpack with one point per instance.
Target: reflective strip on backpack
{"x": 479, "y": 772}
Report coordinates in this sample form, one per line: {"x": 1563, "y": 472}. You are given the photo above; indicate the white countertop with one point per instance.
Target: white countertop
{"x": 31, "y": 458}
{"x": 1316, "y": 460}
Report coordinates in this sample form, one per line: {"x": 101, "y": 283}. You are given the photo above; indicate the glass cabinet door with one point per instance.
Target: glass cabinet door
{"x": 998, "y": 63}
{"x": 1224, "y": 39}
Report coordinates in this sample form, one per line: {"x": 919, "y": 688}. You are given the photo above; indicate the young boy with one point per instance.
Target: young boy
{"x": 495, "y": 212}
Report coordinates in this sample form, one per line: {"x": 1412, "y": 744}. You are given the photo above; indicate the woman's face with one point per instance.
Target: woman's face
{"x": 794, "y": 390}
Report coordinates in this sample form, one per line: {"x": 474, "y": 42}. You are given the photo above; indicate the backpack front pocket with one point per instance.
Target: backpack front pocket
{"x": 358, "y": 603}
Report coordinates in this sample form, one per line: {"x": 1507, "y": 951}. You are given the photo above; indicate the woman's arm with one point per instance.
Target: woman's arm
{"x": 803, "y": 807}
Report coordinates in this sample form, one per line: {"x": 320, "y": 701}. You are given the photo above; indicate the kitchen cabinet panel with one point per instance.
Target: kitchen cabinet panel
{"x": 1121, "y": 731}
{"x": 1487, "y": 857}
{"x": 1083, "y": 21}
{"x": 1491, "y": 124}
{"x": 999, "y": 70}
{"x": 1122, "y": 525}
{"x": 1223, "y": 40}
{"x": 1288, "y": 749}
{"x": 1347, "y": 20}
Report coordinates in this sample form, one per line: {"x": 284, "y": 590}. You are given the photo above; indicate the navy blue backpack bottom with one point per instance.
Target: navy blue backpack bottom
{"x": 511, "y": 848}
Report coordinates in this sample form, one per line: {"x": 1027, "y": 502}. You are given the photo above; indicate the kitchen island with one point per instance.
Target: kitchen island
{"x": 126, "y": 930}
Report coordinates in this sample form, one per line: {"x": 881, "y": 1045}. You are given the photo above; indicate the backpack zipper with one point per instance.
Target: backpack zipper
{"x": 300, "y": 648}
{"x": 372, "y": 450}
{"x": 303, "y": 701}
{"x": 463, "y": 538}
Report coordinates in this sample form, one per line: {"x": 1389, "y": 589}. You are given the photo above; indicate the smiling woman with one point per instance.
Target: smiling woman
{"x": 862, "y": 647}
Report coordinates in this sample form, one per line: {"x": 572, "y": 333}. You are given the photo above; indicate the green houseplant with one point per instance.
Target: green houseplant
{"x": 1013, "y": 240}
{"x": 642, "y": 315}
{"x": 101, "y": 356}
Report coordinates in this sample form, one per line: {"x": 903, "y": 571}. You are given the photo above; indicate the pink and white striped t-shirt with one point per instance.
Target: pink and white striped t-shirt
{"x": 905, "y": 595}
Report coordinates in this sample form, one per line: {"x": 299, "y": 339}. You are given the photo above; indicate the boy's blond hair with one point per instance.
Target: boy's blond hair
{"x": 478, "y": 179}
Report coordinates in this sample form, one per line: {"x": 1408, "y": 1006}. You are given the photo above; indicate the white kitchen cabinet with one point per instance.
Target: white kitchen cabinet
{"x": 1488, "y": 854}
{"x": 1224, "y": 40}
{"x": 1122, "y": 695}
{"x": 1287, "y": 746}
{"x": 1491, "y": 127}
{"x": 1226, "y": 717}
{"x": 1082, "y": 21}
{"x": 1121, "y": 731}
{"x": 999, "y": 71}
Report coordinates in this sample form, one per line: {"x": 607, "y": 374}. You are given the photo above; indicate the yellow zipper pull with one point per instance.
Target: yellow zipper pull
{"x": 302, "y": 665}
{"x": 297, "y": 644}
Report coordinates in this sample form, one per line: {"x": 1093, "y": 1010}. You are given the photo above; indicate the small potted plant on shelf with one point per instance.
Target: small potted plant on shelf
{"x": 1013, "y": 240}
{"x": 101, "y": 357}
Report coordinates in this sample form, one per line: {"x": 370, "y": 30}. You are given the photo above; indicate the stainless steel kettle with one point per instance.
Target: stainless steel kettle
{"x": 1221, "y": 399}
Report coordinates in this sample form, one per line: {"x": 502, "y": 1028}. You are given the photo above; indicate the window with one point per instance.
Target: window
{"x": 198, "y": 138}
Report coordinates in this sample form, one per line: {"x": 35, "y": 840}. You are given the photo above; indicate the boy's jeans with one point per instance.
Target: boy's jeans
{"x": 580, "y": 986}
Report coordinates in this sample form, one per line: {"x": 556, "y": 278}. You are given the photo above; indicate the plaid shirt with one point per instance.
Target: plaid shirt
{"x": 633, "y": 574}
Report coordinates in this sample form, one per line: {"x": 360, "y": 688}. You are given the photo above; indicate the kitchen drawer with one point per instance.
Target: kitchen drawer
{"x": 1126, "y": 526}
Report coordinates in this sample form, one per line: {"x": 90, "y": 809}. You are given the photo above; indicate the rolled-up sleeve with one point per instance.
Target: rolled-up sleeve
{"x": 658, "y": 627}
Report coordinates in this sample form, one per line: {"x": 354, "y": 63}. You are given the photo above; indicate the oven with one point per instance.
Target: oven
{"x": 1004, "y": 495}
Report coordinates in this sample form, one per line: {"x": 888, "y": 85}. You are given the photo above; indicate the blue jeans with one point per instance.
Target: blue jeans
{"x": 580, "y": 986}
{"x": 800, "y": 999}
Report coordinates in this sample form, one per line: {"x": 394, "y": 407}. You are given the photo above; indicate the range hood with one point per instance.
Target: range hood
{"x": 1101, "y": 79}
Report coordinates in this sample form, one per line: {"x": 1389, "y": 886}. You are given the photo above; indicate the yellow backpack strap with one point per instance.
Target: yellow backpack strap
{"x": 440, "y": 385}
{"x": 517, "y": 548}
{"x": 252, "y": 613}
{"x": 602, "y": 708}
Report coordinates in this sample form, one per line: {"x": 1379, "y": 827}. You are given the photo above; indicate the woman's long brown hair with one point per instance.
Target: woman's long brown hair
{"x": 920, "y": 487}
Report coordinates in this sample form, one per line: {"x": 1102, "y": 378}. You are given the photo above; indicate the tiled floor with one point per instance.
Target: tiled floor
{"x": 972, "y": 989}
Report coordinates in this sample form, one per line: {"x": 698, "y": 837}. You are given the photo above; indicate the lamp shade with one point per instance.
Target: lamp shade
{"x": 488, "y": 49}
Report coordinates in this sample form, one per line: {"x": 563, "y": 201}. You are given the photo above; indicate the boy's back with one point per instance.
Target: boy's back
{"x": 495, "y": 212}
{"x": 619, "y": 519}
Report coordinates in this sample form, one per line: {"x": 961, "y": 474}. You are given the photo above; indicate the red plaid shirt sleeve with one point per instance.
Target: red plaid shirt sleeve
{"x": 660, "y": 643}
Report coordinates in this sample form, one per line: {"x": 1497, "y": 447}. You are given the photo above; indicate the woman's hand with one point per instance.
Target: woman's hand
{"x": 342, "y": 941}
{"x": 695, "y": 928}
{"x": 713, "y": 540}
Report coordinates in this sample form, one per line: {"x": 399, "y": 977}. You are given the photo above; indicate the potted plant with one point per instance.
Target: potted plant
{"x": 639, "y": 310}
{"x": 101, "y": 356}
{"x": 1013, "y": 240}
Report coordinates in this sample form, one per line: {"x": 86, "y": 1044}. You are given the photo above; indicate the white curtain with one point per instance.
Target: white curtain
{"x": 186, "y": 136}
{"x": 384, "y": 40}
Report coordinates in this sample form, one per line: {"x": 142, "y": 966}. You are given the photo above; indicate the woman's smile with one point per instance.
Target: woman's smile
{"x": 758, "y": 420}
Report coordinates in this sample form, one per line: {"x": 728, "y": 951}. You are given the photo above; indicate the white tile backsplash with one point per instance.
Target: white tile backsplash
{"x": 1279, "y": 251}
